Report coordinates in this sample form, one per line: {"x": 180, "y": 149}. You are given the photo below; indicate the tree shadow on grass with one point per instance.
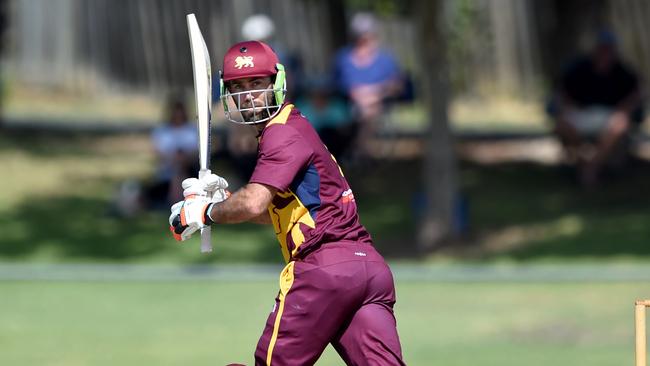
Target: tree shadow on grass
{"x": 536, "y": 211}
{"x": 525, "y": 192}
{"x": 48, "y": 144}
{"x": 79, "y": 229}
{"x": 606, "y": 222}
{"x": 600, "y": 235}
{"x": 72, "y": 227}
{"x": 387, "y": 193}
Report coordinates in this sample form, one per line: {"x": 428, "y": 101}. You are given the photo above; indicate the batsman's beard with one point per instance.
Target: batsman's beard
{"x": 238, "y": 106}
{"x": 255, "y": 114}
{"x": 254, "y": 110}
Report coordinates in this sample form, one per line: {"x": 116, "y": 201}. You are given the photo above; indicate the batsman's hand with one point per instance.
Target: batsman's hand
{"x": 192, "y": 214}
{"x": 189, "y": 216}
{"x": 209, "y": 184}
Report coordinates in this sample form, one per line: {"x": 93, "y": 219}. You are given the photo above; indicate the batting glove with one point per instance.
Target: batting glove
{"x": 189, "y": 216}
{"x": 210, "y": 184}
{"x": 192, "y": 214}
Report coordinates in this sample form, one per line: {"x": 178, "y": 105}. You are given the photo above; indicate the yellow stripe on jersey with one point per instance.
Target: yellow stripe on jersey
{"x": 286, "y": 281}
{"x": 282, "y": 117}
{"x": 287, "y": 218}
{"x": 337, "y": 164}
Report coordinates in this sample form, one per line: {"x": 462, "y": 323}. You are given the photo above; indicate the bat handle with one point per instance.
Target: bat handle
{"x": 206, "y": 232}
{"x": 206, "y": 245}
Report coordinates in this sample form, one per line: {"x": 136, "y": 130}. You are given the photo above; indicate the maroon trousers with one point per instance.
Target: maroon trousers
{"x": 343, "y": 294}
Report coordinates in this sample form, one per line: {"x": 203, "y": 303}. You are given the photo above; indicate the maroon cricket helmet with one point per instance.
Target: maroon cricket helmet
{"x": 249, "y": 59}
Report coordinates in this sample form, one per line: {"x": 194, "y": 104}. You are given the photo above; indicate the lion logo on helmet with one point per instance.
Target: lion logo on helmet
{"x": 244, "y": 61}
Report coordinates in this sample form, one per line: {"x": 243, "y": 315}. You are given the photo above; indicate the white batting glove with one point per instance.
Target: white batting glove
{"x": 209, "y": 184}
{"x": 189, "y": 216}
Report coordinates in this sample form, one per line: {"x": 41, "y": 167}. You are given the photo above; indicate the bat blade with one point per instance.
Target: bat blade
{"x": 203, "y": 94}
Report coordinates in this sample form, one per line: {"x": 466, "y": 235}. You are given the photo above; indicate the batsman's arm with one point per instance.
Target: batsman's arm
{"x": 249, "y": 203}
{"x": 263, "y": 219}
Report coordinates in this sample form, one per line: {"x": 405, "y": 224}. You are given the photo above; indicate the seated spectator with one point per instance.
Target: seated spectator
{"x": 367, "y": 74}
{"x": 596, "y": 108}
{"x": 176, "y": 148}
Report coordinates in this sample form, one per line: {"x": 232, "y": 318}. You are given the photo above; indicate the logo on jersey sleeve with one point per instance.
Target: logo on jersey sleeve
{"x": 347, "y": 196}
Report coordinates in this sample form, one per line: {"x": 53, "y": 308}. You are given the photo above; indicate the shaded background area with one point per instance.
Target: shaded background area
{"x": 103, "y": 60}
{"x": 58, "y": 188}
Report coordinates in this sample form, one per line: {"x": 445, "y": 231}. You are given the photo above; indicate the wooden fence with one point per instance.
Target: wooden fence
{"x": 99, "y": 46}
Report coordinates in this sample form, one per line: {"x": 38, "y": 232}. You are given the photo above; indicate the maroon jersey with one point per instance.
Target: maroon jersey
{"x": 314, "y": 204}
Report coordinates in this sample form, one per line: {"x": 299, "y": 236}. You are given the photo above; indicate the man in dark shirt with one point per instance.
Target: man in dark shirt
{"x": 335, "y": 287}
{"x": 597, "y": 106}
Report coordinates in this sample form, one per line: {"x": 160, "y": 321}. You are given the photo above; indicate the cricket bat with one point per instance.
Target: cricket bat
{"x": 203, "y": 93}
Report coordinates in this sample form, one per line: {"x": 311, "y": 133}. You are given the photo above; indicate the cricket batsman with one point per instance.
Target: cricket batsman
{"x": 335, "y": 287}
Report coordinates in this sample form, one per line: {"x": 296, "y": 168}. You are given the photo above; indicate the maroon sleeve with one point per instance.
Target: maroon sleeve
{"x": 282, "y": 154}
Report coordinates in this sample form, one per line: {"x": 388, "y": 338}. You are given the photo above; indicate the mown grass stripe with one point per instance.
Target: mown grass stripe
{"x": 257, "y": 272}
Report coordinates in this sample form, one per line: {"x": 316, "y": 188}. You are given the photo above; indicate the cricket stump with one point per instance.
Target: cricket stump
{"x": 639, "y": 329}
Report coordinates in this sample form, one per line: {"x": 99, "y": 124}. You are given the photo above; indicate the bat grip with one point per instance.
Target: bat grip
{"x": 206, "y": 235}
{"x": 206, "y": 232}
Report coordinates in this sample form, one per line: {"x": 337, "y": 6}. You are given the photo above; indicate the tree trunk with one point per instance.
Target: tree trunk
{"x": 439, "y": 165}
{"x": 338, "y": 22}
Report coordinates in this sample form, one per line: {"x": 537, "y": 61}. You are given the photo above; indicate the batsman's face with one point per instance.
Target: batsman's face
{"x": 252, "y": 96}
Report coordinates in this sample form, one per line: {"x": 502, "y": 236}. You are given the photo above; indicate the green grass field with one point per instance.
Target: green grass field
{"x": 215, "y": 323}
